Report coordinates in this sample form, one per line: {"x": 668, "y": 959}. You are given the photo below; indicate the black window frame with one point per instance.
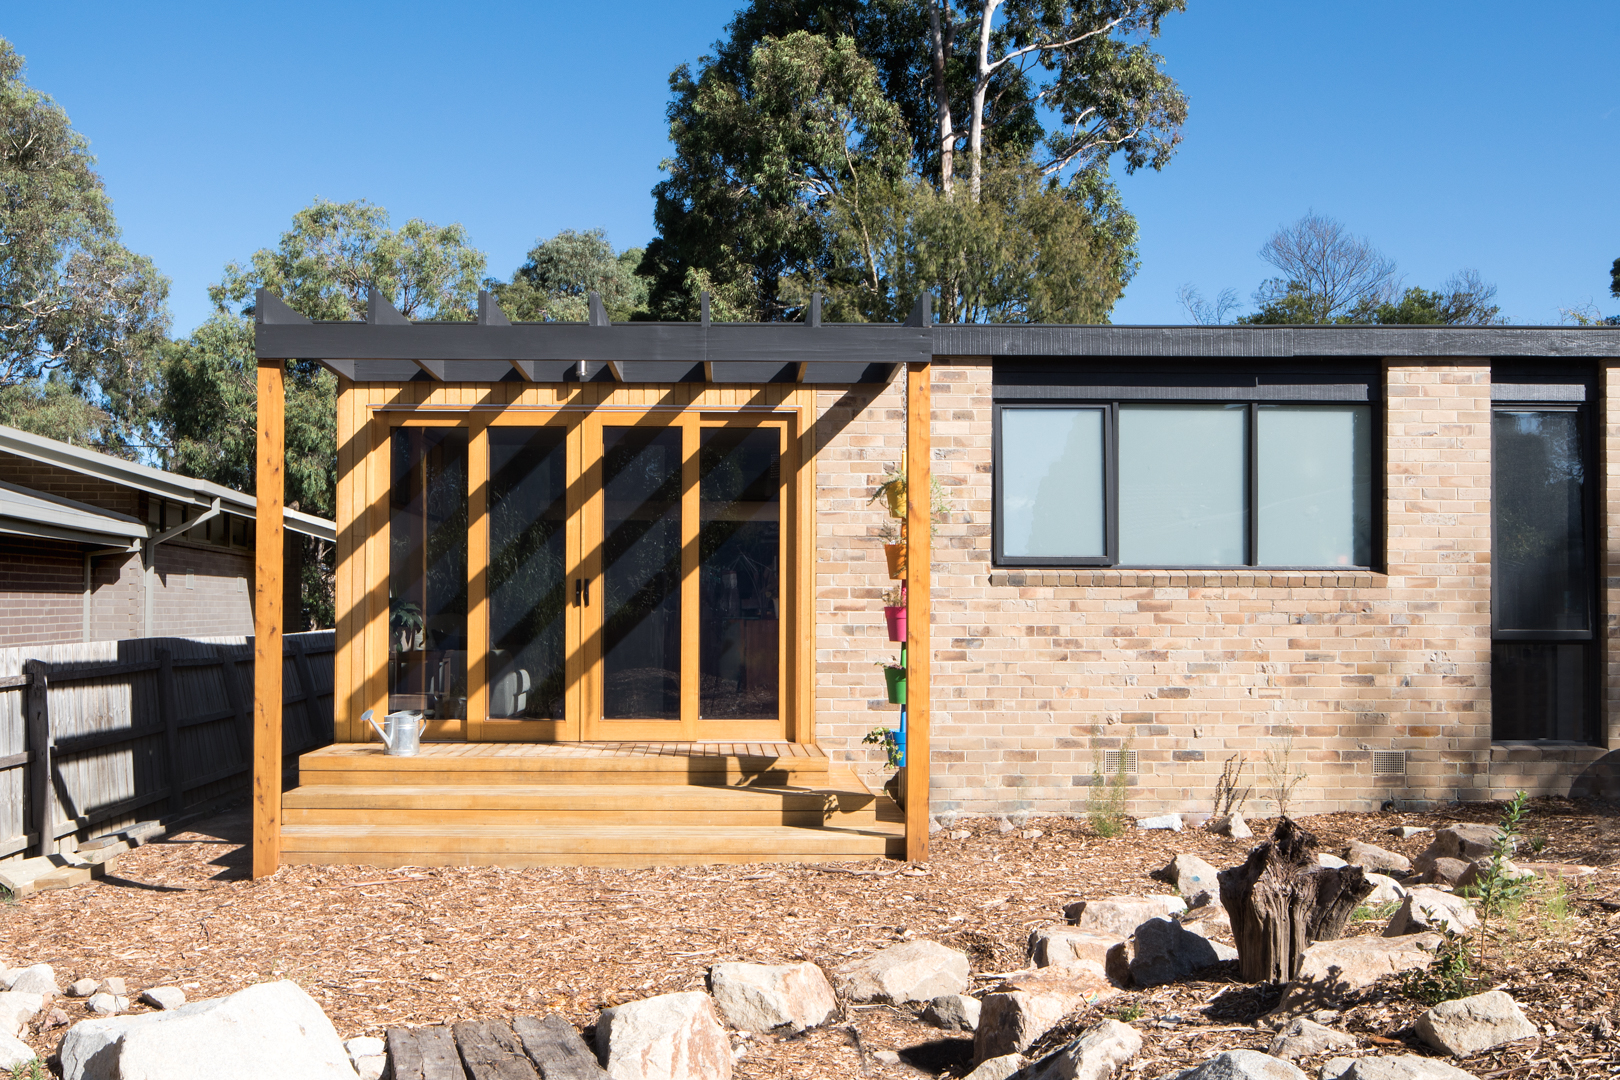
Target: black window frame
{"x": 1064, "y": 386}
{"x": 1543, "y": 390}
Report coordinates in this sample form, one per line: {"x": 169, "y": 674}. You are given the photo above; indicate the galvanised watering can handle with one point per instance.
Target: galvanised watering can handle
{"x": 381, "y": 734}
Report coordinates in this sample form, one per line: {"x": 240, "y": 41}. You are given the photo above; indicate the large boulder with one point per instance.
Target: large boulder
{"x": 272, "y": 1031}
{"x": 1119, "y": 916}
{"x": 1065, "y": 946}
{"x": 1208, "y": 917}
{"x": 1426, "y": 910}
{"x": 997, "y": 1068}
{"x": 1243, "y": 1065}
{"x": 1479, "y": 871}
{"x": 1191, "y": 876}
{"x": 1163, "y": 950}
{"x": 669, "y": 1037}
{"x": 1464, "y": 842}
{"x": 760, "y": 997}
{"x": 1306, "y": 1038}
{"x": 1099, "y": 1052}
{"x": 15, "y": 1054}
{"x": 17, "y": 1008}
{"x": 1376, "y": 860}
{"x": 1231, "y": 825}
{"x": 1397, "y": 1067}
{"x": 1472, "y": 1025}
{"x": 35, "y": 979}
{"x": 1445, "y": 872}
{"x": 1329, "y": 970}
{"x": 953, "y": 1012}
{"x": 1386, "y": 890}
{"x": 1026, "y": 1006}
{"x": 910, "y": 971}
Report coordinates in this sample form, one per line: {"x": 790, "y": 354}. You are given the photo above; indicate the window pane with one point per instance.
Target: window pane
{"x": 528, "y": 598}
{"x": 641, "y": 573}
{"x": 1182, "y": 485}
{"x": 1315, "y": 477}
{"x": 1052, "y": 483}
{"x": 1539, "y": 531}
{"x": 1539, "y": 691}
{"x": 739, "y": 574}
{"x": 427, "y": 572}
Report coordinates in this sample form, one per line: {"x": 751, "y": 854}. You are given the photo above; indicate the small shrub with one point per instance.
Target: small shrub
{"x": 889, "y": 739}
{"x": 1449, "y": 975}
{"x": 1229, "y": 797}
{"x": 1105, "y": 802}
{"x": 1281, "y": 774}
{"x": 1376, "y": 912}
{"x": 1130, "y": 1012}
{"x": 1560, "y": 924}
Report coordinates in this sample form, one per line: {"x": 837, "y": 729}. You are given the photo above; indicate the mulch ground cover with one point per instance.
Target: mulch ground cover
{"x": 379, "y": 948}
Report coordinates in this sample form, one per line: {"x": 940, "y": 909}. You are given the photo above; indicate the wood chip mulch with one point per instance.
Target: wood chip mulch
{"x": 379, "y": 948}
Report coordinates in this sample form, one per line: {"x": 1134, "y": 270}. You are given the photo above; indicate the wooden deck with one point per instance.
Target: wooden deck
{"x": 583, "y": 804}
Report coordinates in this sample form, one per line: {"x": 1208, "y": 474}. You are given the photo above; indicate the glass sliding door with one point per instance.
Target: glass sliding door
{"x": 1543, "y": 595}
{"x": 427, "y": 572}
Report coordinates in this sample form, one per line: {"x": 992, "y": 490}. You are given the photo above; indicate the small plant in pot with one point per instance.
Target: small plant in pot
{"x": 894, "y": 612}
{"x": 892, "y": 490}
{"x": 894, "y": 674}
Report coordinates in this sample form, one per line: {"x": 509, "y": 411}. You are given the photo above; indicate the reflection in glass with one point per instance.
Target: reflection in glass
{"x": 740, "y": 576}
{"x": 641, "y": 571}
{"x": 1315, "y": 485}
{"x": 1539, "y": 529}
{"x": 1539, "y": 690}
{"x": 427, "y": 572}
{"x": 528, "y": 483}
{"x": 1052, "y": 483}
{"x": 1182, "y": 489}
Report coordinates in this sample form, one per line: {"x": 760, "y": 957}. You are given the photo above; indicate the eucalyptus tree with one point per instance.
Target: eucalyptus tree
{"x": 558, "y": 274}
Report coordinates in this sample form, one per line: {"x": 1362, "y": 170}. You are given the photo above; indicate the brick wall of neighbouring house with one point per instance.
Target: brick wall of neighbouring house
{"x": 1037, "y": 673}
{"x": 67, "y": 484}
{"x": 201, "y": 592}
{"x": 41, "y": 592}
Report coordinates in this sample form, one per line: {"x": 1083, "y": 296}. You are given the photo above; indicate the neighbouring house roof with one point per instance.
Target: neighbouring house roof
{"x": 166, "y": 485}
{"x": 387, "y": 347}
{"x": 24, "y": 512}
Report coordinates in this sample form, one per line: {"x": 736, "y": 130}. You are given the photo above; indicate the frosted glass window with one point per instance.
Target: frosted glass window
{"x": 1182, "y": 485}
{"x": 1052, "y": 483}
{"x": 1315, "y": 485}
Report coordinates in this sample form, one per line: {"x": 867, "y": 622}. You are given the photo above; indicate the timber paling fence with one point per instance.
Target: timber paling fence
{"x": 98, "y": 736}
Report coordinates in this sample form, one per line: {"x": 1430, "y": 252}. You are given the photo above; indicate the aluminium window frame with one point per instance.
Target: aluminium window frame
{"x": 1110, "y": 408}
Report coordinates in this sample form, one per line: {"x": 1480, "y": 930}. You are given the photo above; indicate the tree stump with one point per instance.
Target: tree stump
{"x": 1280, "y": 901}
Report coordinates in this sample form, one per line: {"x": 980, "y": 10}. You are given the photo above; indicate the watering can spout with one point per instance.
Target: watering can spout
{"x": 381, "y": 734}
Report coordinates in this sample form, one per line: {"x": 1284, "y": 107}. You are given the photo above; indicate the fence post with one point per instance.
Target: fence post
{"x": 168, "y": 710}
{"x": 40, "y": 751}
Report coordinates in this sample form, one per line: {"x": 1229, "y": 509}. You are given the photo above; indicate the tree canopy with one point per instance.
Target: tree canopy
{"x": 556, "y": 277}
{"x": 78, "y": 310}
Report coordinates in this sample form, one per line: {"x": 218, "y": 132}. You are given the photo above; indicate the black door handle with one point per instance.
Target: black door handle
{"x": 582, "y": 592}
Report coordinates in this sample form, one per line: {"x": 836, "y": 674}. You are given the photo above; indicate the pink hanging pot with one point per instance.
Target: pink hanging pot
{"x": 896, "y": 618}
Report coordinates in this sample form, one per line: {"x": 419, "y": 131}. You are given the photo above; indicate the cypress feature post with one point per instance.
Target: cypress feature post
{"x": 267, "y": 618}
{"x": 919, "y": 558}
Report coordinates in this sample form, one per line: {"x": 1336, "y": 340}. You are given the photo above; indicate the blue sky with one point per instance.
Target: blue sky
{"x": 1453, "y": 135}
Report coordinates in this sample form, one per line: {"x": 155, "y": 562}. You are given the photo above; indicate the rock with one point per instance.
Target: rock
{"x": 1332, "y": 862}
{"x": 669, "y": 1037}
{"x": 370, "y": 1067}
{"x": 1406, "y": 832}
{"x": 934, "y": 826}
{"x": 1191, "y": 876}
{"x": 1231, "y": 825}
{"x": 1479, "y": 870}
{"x": 760, "y": 997}
{"x": 1307, "y": 1038}
{"x": 1386, "y": 890}
{"x": 83, "y": 988}
{"x": 1443, "y": 872}
{"x": 1032, "y": 834}
{"x": 1065, "y": 946}
{"x": 997, "y": 1068}
{"x": 1097, "y": 1054}
{"x": 1162, "y": 821}
{"x": 1431, "y": 909}
{"x": 1119, "y": 916}
{"x": 953, "y": 1012}
{"x": 271, "y": 1031}
{"x": 1004, "y": 826}
{"x": 15, "y": 1055}
{"x": 1398, "y": 1067}
{"x": 1026, "y": 1006}
{"x": 1162, "y": 951}
{"x": 1331, "y": 969}
{"x": 910, "y": 971}
{"x": 369, "y": 1056}
{"x": 960, "y": 834}
{"x": 1464, "y": 842}
{"x": 37, "y": 979}
{"x": 1243, "y": 1065}
{"x": 105, "y": 1004}
{"x": 115, "y": 985}
{"x": 17, "y": 1007}
{"x": 1472, "y": 1025}
{"x": 1206, "y": 916}
{"x": 1375, "y": 860}
{"x": 166, "y": 997}
{"x": 888, "y": 1057}
{"x": 57, "y": 1018}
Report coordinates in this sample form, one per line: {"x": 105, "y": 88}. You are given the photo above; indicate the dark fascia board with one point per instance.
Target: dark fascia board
{"x": 1251, "y": 342}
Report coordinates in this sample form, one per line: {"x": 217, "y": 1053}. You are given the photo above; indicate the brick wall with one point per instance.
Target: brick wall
{"x": 201, "y": 592}
{"x": 1038, "y": 673}
{"x": 67, "y": 484}
{"x": 41, "y": 592}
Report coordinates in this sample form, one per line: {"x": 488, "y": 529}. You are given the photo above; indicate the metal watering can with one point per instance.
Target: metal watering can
{"x": 401, "y": 732}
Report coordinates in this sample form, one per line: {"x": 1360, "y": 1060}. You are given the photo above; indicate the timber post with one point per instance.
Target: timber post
{"x": 267, "y": 618}
{"x": 919, "y": 558}
{"x": 41, "y": 749}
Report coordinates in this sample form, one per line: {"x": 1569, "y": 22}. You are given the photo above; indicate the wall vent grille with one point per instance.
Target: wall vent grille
{"x": 1389, "y": 762}
{"x": 1111, "y": 760}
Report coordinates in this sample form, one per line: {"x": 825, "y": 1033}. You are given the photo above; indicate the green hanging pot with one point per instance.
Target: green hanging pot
{"x": 896, "y": 678}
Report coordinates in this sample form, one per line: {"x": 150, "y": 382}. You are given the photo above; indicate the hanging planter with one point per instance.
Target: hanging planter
{"x": 895, "y": 677}
{"x": 896, "y": 555}
{"x": 896, "y": 618}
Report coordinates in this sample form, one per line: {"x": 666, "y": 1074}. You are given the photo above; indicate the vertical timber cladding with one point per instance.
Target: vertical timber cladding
{"x": 368, "y": 411}
{"x": 267, "y": 617}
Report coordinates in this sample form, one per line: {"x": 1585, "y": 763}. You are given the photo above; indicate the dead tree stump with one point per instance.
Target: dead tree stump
{"x": 1280, "y": 901}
